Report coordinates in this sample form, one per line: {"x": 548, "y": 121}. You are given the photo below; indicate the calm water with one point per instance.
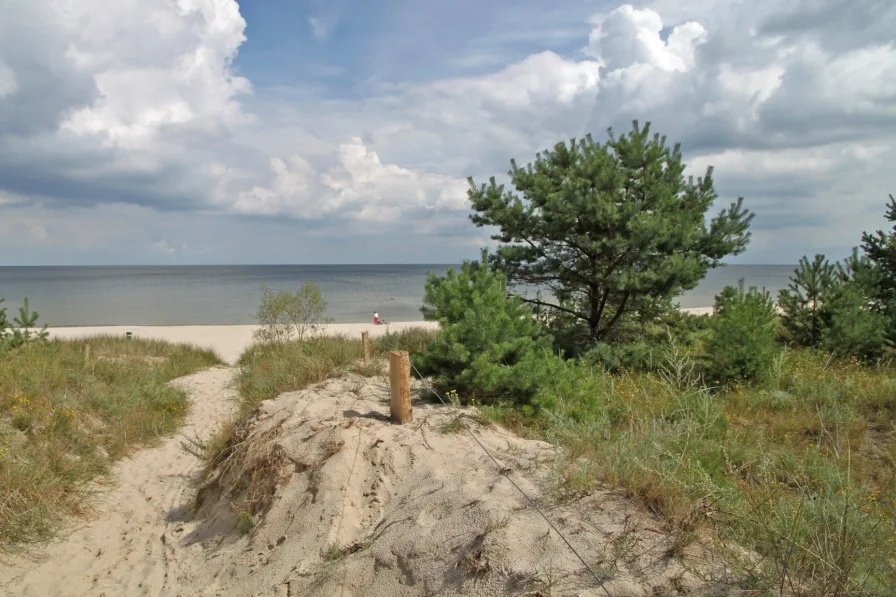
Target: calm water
{"x": 199, "y": 295}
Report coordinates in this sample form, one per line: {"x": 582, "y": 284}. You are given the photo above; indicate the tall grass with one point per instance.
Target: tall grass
{"x": 413, "y": 339}
{"x": 268, "y": 370}
{"x": 65, "y": 419}
{"x": 800, "y": 471}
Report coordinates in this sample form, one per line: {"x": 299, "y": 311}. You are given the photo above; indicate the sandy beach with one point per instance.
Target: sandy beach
{"x": 230, "y": 341}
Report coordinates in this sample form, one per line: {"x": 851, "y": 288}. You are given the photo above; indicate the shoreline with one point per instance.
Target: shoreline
{"x": 230, "y": 340}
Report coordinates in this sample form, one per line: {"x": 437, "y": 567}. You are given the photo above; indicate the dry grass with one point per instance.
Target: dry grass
{"x": 64, "y": 420}
{"x": 800, "y": 471}
{"x": 413, "y": 340}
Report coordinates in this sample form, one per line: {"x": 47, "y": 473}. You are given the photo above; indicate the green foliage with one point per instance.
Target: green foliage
{"x": 806, "y": 302}
{"x": 616, "y": 357}
{"x": 244, "y": 522}
{"x": 610, "y": 228}
{"x": 487, "y": 341}
{"x": 285, "y": 315}
{"x": 743, "y": 346}
{"x": 880, "y": 248}
{"x": 855, "y": 329}
{"x": 21, "y": 330}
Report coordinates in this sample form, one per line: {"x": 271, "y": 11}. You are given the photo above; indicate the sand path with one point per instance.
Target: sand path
{"x": 129, "y": 546}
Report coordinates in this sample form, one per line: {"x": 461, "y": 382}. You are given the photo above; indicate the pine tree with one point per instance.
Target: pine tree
{"x": 22, "y": 329}
{"x": 608, "y": 229}
{"x": 880, "y": 249}
{"x": 487, "y": 340}
{"x": 743, "y": 345}
{"x": 806, "y": 301}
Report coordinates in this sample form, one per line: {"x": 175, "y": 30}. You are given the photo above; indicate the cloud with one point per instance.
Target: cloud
{"x": 110, "y": 107}
{"x": 801, "y": 125}
{"x": 318, "y": 28}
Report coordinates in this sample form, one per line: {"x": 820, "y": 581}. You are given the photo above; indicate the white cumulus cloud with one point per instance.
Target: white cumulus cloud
{"x": 138, "y": 103}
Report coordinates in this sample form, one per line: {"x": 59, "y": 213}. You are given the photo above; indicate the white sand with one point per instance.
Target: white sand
{"x": 123, "y": 547}
{"x": 229, "y": 341}
{"x": 419, "y": 510}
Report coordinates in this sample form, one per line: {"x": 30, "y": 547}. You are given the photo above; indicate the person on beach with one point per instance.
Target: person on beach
{"x": 376, "y": 318}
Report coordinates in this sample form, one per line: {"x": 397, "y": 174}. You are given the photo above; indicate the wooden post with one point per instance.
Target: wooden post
{"x": 86, "y": 352}
{"x": 366, "y": 346}
{"x": 400, "y": 384}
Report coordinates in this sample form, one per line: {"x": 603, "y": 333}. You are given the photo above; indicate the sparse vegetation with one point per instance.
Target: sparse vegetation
{"x": 244, "y": 522}
{"x": 285, "y": 315}
{"x": 64, "y": 420}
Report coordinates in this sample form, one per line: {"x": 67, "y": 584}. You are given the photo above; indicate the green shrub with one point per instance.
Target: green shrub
{"x": 805, "y": 303}
{"x": 855, "y": 329}
{"x": 21, "y": 330}
{"x": 615, "y": 357}
{"x": 743, "y": 345}
{"x": 287, "y": 315}
{"x": 487, "y": 341}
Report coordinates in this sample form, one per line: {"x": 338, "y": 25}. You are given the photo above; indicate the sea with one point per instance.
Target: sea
{"x": 214, "y": 295}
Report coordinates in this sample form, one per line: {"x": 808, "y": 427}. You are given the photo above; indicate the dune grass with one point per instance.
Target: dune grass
{"x": 412, "y": 339}
{"x": 270, "y": 369}
{"x": 65, "y": 419}
{"x": 267, "y": 370}
{"x": 799, "y": 471}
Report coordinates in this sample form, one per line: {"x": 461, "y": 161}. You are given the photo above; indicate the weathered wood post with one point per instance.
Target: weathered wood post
{"x": 400, "y": 385}
{"x": 366, "y": 346}
{"x": 86, "y": 352}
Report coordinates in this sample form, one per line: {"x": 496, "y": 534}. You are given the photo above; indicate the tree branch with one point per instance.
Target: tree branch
{"x": 553, "y": 306}
{"x": 619, "y": 311}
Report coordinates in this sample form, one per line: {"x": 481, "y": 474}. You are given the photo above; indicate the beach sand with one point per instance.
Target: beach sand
{"x": 229, "y": 341}
{"x": 410, "y": 510}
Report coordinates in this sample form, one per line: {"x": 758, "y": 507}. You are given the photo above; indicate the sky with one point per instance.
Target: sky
{"x": 343, "y": 131}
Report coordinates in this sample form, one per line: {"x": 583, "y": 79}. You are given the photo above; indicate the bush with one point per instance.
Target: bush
{"x": 743, "y": 345}
{"x": 487, "y": 341}
{"x": 616, "y": 357}
{"x": 855, "y": 329}
{"x": 286, "y": 315}
{"x": 806, "y": 301}
{"x": 21, "y": 330}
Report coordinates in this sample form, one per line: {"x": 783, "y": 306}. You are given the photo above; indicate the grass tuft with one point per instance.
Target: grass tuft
{"x": 800, "y": 470}
{"x": 65, "y": 418}
{"x": 413, "y": 339}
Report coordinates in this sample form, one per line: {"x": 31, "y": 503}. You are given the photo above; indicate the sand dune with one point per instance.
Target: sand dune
{"x": 345, "y": 503}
